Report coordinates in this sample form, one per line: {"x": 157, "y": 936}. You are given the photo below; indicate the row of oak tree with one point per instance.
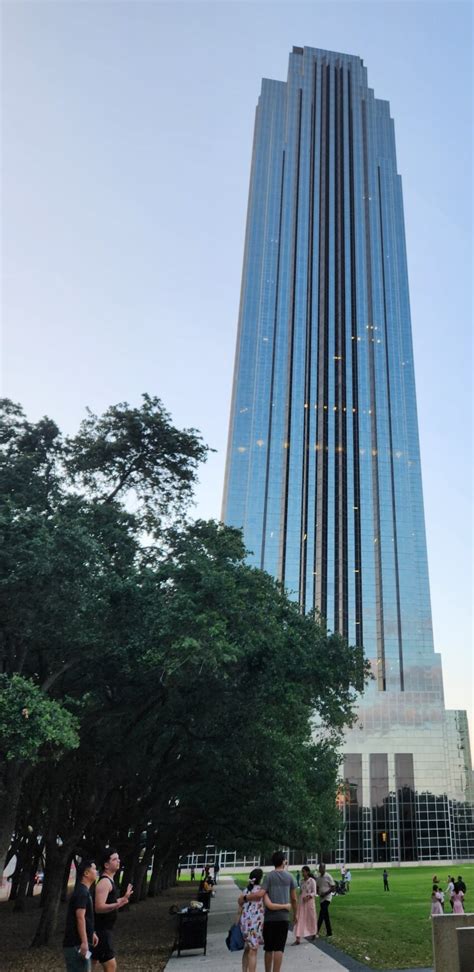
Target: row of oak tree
{"x": 156, "y": 692}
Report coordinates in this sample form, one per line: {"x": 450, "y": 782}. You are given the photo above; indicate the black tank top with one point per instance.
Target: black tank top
{"x": 108, "y": 918}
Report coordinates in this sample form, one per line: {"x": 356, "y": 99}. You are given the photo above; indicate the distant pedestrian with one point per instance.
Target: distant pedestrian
{"x": 461, "y": 885}
{"x": 206, "y": 876}
{"x": 325, "y": 885}
{"x": 436, "y": 904}
{"x": 217, "y": 868}
{"x": 457, "y": 900}
{"x": 449, "y": 890}
{"x": 306, "y": 918}
{"x": 348, "y": 879}
{"x": 107, "y": 904}
{"x": 281, "y": 889}
{"x": 179, "y": 871}
{"x": 205, "y": 890}
{"x": 385, "y": 880}
{"x": 79, "y": 935}
{"x": 193, "y": 873}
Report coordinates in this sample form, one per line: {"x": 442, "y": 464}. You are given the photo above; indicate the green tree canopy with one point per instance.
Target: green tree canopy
{"x": 69, "y": 544}
{"x": 31, "y": 725}
{"x": 194, "y": 700}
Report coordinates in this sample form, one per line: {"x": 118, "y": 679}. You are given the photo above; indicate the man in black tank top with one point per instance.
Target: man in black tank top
{"x": 107, "y": 903}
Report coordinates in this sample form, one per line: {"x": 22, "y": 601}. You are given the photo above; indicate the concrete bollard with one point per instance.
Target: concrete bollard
{"x": 465, "y": 938}
{"x": 444, "y": 930}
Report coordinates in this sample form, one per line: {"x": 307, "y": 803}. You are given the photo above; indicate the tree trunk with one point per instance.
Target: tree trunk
{"x": 27, "y": 859}
{"x": 11, "y": 779}
{"x": 65, "y": 881}
{"x": 141, "y": 874}
{"x": 34, "y": 867}
{"x": 163, "y": 873}
{"x": 128, "y": 871}
{"x": 140, "y": 881}
{"x": 153, "y": 886}
{"x": 22, "y": 889}
{"x": 56, "y": 858}
{"x": 15, "y": 882}
{"x": 18, "y": 877}
{"x": 144, "y": 886}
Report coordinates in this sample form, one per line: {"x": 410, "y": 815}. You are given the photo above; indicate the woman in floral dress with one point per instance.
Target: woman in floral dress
{"x": 306, "y": 919}
{"x": 251, "y": 919}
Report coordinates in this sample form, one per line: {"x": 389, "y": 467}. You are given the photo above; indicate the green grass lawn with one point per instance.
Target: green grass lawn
{"x": 390, "y": 930}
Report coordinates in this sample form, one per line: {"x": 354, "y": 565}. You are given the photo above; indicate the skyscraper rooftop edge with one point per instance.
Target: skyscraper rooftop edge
{"x": 322, "y": 52}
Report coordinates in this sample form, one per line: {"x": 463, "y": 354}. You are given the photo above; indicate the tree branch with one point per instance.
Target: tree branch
{"x": 48, "y": 682}
{"x": 123, "y": 479}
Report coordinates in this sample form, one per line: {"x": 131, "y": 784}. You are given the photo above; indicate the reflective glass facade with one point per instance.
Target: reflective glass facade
{"x": 323, "y": 467}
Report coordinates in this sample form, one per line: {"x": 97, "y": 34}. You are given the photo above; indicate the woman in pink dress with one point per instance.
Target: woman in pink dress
{"x": 306, "y": 918}
{"x": 457, "y": 899}
{"x": 436, "y": 901}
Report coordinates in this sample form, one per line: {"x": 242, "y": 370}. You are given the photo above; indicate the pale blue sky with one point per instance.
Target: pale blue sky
{"x": 126, "y": 137}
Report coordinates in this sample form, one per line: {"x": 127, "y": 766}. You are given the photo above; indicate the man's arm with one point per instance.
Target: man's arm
{"x": 250, "y": 896}
{"x": 294, "y": 902}
{"x": 81, "y": 930}
{"x": 275, "y": 907}
{"x": 101, "y": 894}
{"x": 254, "y": 895}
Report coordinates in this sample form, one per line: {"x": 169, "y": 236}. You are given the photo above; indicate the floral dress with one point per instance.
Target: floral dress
{"x": 251, "y": 921}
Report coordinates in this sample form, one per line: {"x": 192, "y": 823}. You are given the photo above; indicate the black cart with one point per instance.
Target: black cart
{"x": 192, "y": 930}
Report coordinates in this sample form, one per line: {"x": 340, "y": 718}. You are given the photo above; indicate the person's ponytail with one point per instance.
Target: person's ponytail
{"x": 255, "y": 877}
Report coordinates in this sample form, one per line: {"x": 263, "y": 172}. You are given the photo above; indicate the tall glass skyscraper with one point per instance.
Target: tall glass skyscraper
{"x": 323, "y": 467}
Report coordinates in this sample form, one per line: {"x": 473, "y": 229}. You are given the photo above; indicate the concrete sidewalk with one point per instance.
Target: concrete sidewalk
{"x": 219, "y": 959}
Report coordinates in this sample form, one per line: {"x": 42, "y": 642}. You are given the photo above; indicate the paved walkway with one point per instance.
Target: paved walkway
{"x": 319, "y": 957}
{"x": 219, "y": 959}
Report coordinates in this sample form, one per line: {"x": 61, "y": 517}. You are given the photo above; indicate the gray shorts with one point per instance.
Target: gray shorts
{"x": 75, "y": 962}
